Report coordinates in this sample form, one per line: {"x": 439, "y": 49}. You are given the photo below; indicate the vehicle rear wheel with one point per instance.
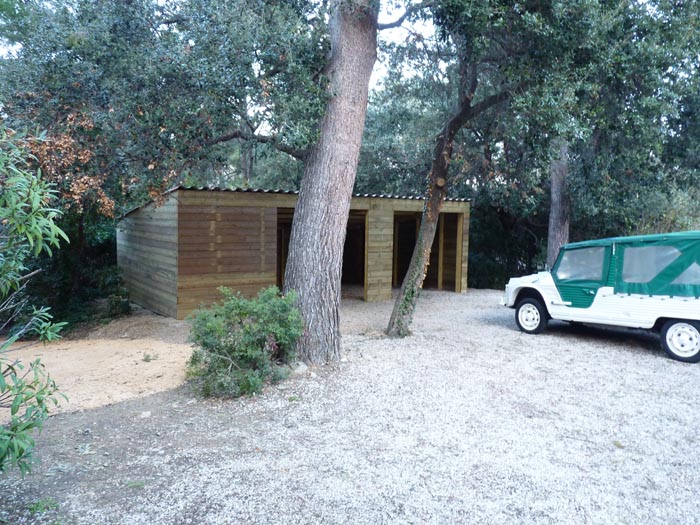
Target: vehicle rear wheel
{"x": 681, "y": 340}
{"x": 531, "y": 316}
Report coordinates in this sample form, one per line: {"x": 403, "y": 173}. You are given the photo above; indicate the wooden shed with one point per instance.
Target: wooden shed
{"x": 173, "y": 256}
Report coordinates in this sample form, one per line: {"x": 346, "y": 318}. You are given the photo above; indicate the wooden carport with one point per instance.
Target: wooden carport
{"x": 173, "y": 256}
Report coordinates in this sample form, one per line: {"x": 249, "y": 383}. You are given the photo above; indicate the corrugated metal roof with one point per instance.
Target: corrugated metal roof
{"x": 287, "y": 192}
{"x": 295, "y": 192}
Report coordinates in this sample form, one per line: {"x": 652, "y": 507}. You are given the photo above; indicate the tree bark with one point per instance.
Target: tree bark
{"x": 402, "y": 314}
{"x": 320, "y": 219}
{"x": 558, "y": 233}
{"x": 247, "y": 156}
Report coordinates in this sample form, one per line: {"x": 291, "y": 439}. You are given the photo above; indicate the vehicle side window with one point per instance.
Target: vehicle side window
{"x": 642, "y": 264}
{"x": 584, "y": 264}
{"x": 690, "y": 277}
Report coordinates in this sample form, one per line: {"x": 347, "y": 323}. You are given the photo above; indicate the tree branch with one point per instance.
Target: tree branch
{"x": 467, "y": 112}
{"x": 409, "y": 11}
{"x": 468, "y": 82}
{"x": 261, "y": 139}
{"x": 473, "y": 83}
{"x": 176, "y": 19}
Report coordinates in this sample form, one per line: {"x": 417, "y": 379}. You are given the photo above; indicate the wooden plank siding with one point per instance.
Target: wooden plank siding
{"x": 174, "y": 257}
{"x": 147, "y": 244}
{"x": 223, "y": 245}
{"x": 379, "y": 251}
{"x": 462, "y": 251}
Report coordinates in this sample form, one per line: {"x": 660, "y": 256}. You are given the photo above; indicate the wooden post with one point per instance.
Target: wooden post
{"x": 379, "y": 249}
{"x": 441, "y": 248}
{"x": 458, "y": 261}
{"x": 365, "y": 284}
{"x": 462, "y": 253}
{"x": 395, "y": 266}
{"x": 262, "y": 239}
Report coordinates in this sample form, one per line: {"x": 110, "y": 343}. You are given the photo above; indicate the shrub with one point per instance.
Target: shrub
{"x": 118, "y": 305}
{"x": 27, "y": 228}
{"x": 29, "y": 393}
{"x": 244, "y": 343}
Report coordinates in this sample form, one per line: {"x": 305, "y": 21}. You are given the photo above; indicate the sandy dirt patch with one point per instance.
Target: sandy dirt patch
{"x": 137, "y": 355}
{"x": 146, "y": 353}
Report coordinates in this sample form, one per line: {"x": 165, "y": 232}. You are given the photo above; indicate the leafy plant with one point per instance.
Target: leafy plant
{"x": 243, "y": 343}
{"x": 43, "y": 505}
{"x": 136, "y": 484}
{"x": 27, "y": 228}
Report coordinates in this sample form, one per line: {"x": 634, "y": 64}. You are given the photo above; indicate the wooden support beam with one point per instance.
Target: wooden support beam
{"x": 395, "y": 264}
{"x": 379, "y": 252}
{"x": 441, "y": 248}
{"x": 458, "y": 261}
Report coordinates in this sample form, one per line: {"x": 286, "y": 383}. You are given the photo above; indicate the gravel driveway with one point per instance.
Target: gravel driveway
{"x": 466, "y": 421}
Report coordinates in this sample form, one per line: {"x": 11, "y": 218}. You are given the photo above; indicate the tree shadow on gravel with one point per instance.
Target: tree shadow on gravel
{"x": 502, "y": 319}
{"x": 630, "y": 339}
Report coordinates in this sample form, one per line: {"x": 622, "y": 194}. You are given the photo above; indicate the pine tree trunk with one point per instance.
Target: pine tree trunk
{"x": 558, "y": 234}
{"x": 405, "y": 305}
{"x": 320, "y": 218}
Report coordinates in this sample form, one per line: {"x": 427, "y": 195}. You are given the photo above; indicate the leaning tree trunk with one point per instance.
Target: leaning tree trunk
{"x": 320, "y": 218}
{"x": 402, "y": 314}
{"x": 558, "y": 234}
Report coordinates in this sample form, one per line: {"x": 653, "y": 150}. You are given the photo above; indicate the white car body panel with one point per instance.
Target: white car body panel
{"x": 608, "y": 308}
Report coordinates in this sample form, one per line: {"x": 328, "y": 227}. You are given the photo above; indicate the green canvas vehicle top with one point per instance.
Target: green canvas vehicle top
{"x": 643, "y": 281}
{"x": 675, "y": 256}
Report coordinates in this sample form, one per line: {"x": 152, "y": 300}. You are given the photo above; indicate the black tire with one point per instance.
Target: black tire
{"x": 531, "y": 316}
{"x": 681, "y": 340}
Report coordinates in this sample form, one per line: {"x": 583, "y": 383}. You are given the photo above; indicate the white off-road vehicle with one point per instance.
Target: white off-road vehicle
{"x": 646, "y": 281}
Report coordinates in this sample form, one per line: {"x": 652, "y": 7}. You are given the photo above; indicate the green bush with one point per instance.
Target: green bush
{"x": 27, "y": 228}
{"x": 29, "y": 393}
{"x": 244, "y": 343}
{"x": 118, "y": 305}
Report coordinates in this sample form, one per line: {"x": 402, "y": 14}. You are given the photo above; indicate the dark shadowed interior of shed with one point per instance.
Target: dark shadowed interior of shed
{"x": 406, "y": 225}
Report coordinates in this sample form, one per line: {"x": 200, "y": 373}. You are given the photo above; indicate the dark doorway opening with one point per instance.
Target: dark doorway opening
{"x": 353, "y": 252}
{"x": 284, "y": 232}
{"x": 405, "y": 234}
{"x": 442, "y": 270}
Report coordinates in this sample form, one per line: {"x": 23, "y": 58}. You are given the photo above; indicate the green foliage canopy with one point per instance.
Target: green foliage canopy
{"x": 615, "y": 79}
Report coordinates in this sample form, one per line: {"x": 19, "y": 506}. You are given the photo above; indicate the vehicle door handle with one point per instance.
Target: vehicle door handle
{"x": 590, "y": 292}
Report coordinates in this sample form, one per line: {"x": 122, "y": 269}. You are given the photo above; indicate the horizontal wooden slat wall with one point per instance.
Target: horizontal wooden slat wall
{"x": 379, "y": 250}
{"x": 147, "y": 256}
{"x": 229, "y": 243}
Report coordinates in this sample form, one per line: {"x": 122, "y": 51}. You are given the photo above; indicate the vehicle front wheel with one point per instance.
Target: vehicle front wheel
{"x": 531, "y": 316}
{"x": 681, "y": 340}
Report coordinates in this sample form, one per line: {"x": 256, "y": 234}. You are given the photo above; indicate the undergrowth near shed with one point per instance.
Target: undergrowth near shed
{"x": 244, "y": 343}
